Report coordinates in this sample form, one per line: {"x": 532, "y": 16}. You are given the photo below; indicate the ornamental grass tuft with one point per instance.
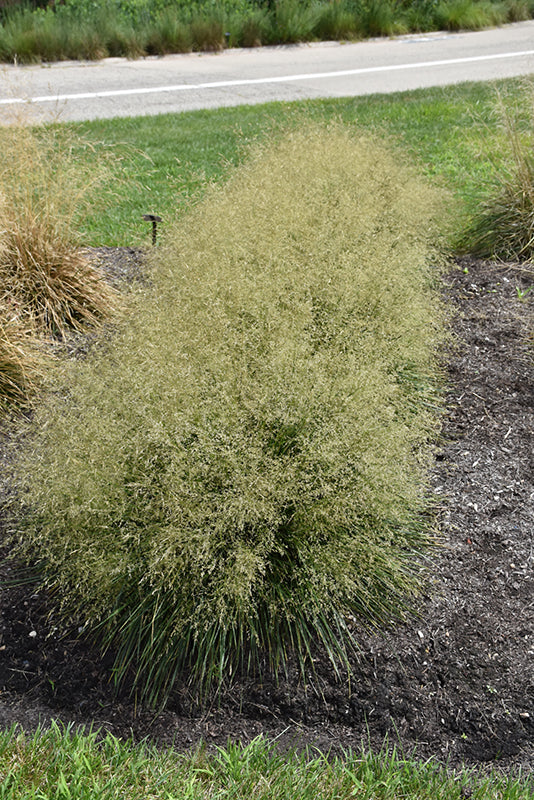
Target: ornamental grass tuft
{"x": 240, "y": 477}
{"x": 21, "y": 365}
{"x": 47, "y": 286}
{"x": 502, "y": 225}
{"x": 44, "y": 193}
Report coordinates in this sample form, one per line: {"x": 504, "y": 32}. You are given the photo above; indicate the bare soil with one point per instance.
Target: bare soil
{"x": 455, "y": 681}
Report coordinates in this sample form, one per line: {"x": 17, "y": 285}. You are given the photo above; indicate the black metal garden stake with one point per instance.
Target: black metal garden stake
{"x": 154, "y": 219}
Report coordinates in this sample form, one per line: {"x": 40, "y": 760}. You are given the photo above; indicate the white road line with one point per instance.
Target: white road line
{"x": 183, "y": 87}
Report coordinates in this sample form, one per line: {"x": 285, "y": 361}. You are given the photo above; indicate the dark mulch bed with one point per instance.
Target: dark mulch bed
{"x": 458, "y": 680}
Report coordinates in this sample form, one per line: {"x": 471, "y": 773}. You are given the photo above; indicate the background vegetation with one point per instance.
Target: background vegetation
{"x": 87, "y": 29}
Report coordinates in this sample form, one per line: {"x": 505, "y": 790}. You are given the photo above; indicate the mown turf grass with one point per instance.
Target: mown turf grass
{"x": 245, "y": 469}
{"x": 452, "y": 133}
{"x": 68, "y": 764}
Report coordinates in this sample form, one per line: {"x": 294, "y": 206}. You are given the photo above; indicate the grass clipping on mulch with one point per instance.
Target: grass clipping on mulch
{"x": 242, "y": 473}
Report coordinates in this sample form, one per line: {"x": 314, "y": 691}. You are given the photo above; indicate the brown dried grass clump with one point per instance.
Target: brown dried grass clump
{"x": 51, "y": 281}
{"x": 20, "y": 365}
{"x": 47, "y": 285}
{"x": 44, "y": 192}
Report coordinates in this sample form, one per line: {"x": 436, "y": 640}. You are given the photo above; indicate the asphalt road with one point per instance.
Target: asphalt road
{"x": 119, "y": 88}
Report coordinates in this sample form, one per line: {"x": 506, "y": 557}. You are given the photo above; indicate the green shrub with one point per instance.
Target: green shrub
{"x": 118, "y": 35}
{"x": 132, "y": 28}
{"x": 380, "y": 18}
{"x": 518, "y": 10}
{"x": 17, "y": 37}
{"x": 337, "y": 20}
{"x": 242, "y": 473}
{"x": 295, "y": 21}
{"x": 207, "y": 33}
{"x": 169, "y": 35}
{"x": 251, "y": 30}
{"x": 419, "y": 15}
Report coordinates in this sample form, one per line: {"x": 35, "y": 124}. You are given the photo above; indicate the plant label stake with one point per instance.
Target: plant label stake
{"x": 154, "y": 219}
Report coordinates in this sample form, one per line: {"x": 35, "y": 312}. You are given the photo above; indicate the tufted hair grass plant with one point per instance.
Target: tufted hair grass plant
{"x": 44, "y": 192}
{"x": 296, "y": 21}
{"x": 458, "y": 15}
{"x": 337, "y": 22}
{"x": 381, "y": 18}
{"x": 169, "y": 35}
{"x": 241, "y": 476}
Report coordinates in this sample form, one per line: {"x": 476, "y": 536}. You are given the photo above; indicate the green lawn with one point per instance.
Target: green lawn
{"x": 65, "y": 765}
{"x": 168, "y": 159}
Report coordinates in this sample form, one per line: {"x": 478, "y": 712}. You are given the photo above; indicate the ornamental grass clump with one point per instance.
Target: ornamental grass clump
{"x": 502, "y": 226}
{"x": 44, "y": 193}
{"x": 241, "y": 475}
{"x": 21, "y": 365}
{"x": 47, "y": 286}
